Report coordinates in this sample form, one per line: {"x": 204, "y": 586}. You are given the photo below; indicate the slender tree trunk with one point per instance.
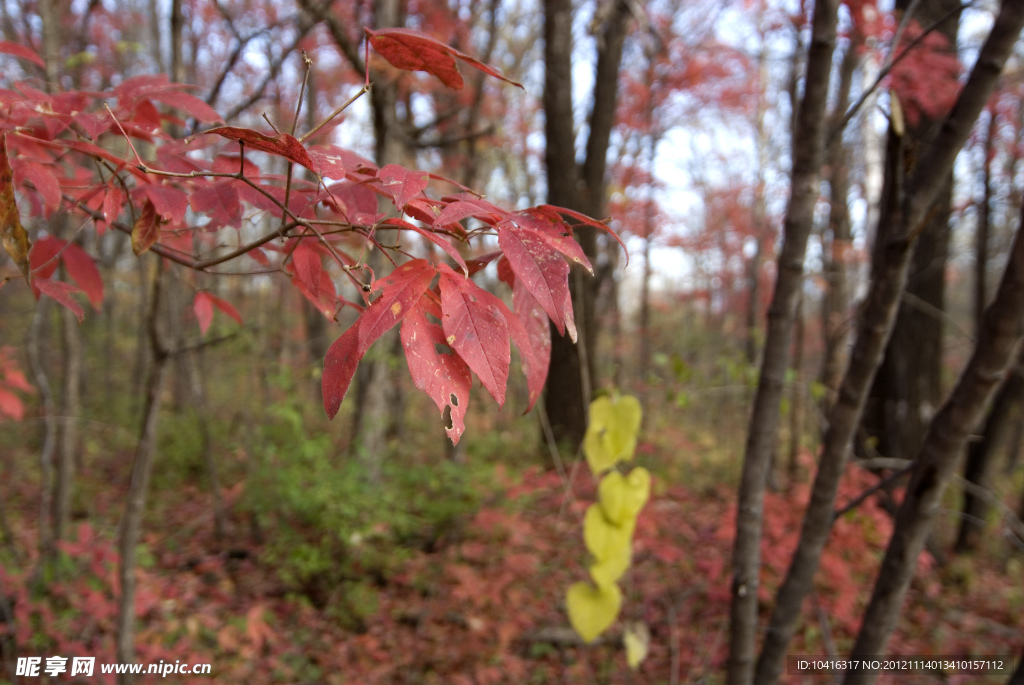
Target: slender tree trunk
{"x": 835, "y": 304}
{"x": 71, "y": 411}
{"x": 37, "y": 365}
{"x": 943, "y": 445}
{"x": 571, "y": 373}
{"x": 981, "y": 453}
{"x": 796, "y": 394}
{"x": 373, "y": 377}
{"x": 902, "y": 213}
{"x": 131, "y": 522}
{"x": 808, "y": 149}
{"x": 908, "y": 388}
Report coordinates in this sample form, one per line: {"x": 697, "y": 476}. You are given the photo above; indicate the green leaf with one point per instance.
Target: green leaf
{"x": 592, "y": 609}
{"x": 622, "y": 497}
{"x": 611, "y": 435}
{"x": 605, "y": 539}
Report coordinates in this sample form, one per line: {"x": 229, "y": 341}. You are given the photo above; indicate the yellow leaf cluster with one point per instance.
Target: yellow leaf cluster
{"x": 609, "y": 523}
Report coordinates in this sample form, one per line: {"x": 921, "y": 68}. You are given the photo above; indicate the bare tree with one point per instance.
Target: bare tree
{"x": 808, "y": 152}
{"x": 906, "y": 206}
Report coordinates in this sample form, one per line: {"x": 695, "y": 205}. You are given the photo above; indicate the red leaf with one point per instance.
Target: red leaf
{"x": 401, "y": 290}
{"x": 81, "y": 267}
{"x": 43, "y": 179}
{"x": 112, "y": 205}
{"x": 476, "y": 329}
{"x": 146, "y": 229}
{"x": 203, "y": 308}
{"x": 555, "y": 233}
{"x": 11, "y": 405}
{"x": 538, "y": 334}
{"x": 586, "y": 220}
{"x": 339, "y": 366}
{"x": 542, "y": 271}
{"x": 444, "y": 377}
{"x": 197, "y": 109}
{"x": 401, "y": 184}
{"x": 225, "y": 307}
{"x": 219, "y": 201}
{"x": 432, "y": 237}
{"x": 415, "y": 51}
{"x": 535, "y": 369}
{"x": 61, "y": 292}
{"x": 307, "y": 265}
{"x": 259, "y": 255}
{"x": 21, "y": 51}
{"x": 168, "y": 201}
{"x": 43, "y": 257}
{"x": 283, "y": 145}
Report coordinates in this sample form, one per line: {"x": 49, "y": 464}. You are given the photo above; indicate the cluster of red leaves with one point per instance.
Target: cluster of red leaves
{"x": 174, "y": 206}
{"x": 486, "y": 608}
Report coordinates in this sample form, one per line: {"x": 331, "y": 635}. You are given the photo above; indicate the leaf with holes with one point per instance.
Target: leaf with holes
{"x": 475, "y": 328}
{"x": 401, "y": 289}
{"x": 146, "y": 229}
{"x": 443, "y": 376}
{"x": 542, "y": 271}
{"x": 282, "y": 145}
{"x": 82, "y": 268}
{"x": 415, "y": 51}
{"x": 12, "y": 233}
{"x": 61, "y": 292}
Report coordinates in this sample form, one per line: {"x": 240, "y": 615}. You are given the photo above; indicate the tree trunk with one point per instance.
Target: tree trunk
{"x": 571, "y": 373}
{"x": 908, "y": 388}
{"x": 944, "y": 443}
{"x": 808, "y": 149}
{"x": 902, "y": 213}
{"x": 980, "y": 455}
{"x": 980, "y": 452}
{"x": 37, "y": 365}
{"x": 71, "y": 411}
{"x": 131, "y": 523}
{"x": 835, "y": 303}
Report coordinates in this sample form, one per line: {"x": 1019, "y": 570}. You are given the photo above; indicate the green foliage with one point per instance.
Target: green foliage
{"x": 336, "y": 532}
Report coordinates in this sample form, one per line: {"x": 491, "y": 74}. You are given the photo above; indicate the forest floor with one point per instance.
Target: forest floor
{"x": 457, "y": 576}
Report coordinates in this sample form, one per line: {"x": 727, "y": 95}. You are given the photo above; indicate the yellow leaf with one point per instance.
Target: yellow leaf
{"x": 592, "y": 609}
{"x": 636, "y": 638}
{"x": 611, "y": 435}
{"x": 622, "y": 497}
{"x": 15, "y": 239}
{"x": 603, "y": 538}
{"x": 607, "y": 571}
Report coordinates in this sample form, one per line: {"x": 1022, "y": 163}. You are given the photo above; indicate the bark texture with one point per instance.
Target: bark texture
{"x": 905, "y": 208}
{"x": 581, "y": 188}
{"x": 808, "y": 152}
